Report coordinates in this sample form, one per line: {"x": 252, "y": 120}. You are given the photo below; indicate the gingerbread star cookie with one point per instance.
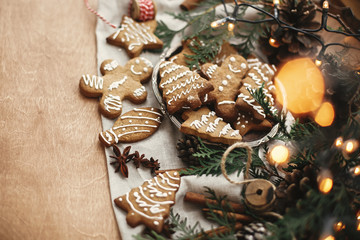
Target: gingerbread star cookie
{"x": 245, "y": 123}
{"x": 132, "y": 126}
{"x": 181, "y": 87}
{"x": 224, "y": 51}
{"x": 150, "y": 203}
{"x": 134, "y": 36}
{"x": 205, "y": 124}
{"x": 258, "y": 75}
{"x": 226, "y": 81}
{"x": 118, "y": 83}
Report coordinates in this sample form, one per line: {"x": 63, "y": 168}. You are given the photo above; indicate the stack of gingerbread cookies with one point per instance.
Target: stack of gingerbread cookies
{"x": 215, "y": 101}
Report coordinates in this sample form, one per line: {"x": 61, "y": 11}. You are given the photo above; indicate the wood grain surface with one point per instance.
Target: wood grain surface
{"x": 53, "y": 177}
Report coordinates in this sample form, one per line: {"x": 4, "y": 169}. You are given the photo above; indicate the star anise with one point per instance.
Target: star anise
{"x": 137, "y": 159}
{"x": 121, "y": 160}
{"x": 153, "y": 164}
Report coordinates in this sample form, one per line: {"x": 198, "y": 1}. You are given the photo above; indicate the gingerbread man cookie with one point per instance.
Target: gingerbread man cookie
{"x": 226, "y": 81}
{"x": 224, "y": 51}
{"x": 118, "y": 83}
{"x": 205, "y": 124}
{"x": 181, "y": 87}
{"x": 134, "y": 36}
{"x": 258, "y": 75}
{"x": 245, "y": 123}
{"x": 132, "y": 126}
{"x": 150, "y": 203}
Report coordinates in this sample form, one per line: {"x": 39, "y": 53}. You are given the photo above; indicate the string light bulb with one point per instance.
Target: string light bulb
{"x": 231, "y": 26}
{"x": 325, "y": 181}
{"x": 350, "y": 145}
{"x": 218, "y": 23}
{"x": 339, "y": 142}
{"x": 339, "y": 226}
{"x": 279, "y": 154}
{"x": 318, "y": 62}
{"x": 274, "y": 43}
{"x": 276, "y": 2}
{"x": 329, "y": 237}
{"x": 357, "y": 173}
{"x": 325, "y": 4}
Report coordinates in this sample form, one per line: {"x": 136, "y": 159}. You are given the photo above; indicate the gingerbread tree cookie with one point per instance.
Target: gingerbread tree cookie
{"x": 150, "y": 203}
{"x": 226, "y": 81}
{"x": 206, "y": 125}
{"x": 181, "y": 87}
{"x": 132, "y": 126}
{"x": 258, "y": 75}
{"x": 117, "y": 84}
{"x": 134, "y": 36}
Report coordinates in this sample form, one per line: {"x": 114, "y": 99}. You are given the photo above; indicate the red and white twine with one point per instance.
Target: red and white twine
{"x": 147, "y": 9}
{"x": 98, "y": 14}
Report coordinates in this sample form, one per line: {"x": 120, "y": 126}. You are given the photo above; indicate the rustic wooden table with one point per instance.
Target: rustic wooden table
{"x": 53, "y": 178}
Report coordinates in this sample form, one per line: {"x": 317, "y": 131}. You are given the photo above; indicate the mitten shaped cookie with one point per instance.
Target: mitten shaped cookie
{"x": 260, "y": 74}
{"x": 181, "y": 87}
{"x": 132, "y": 126}
{"x": 226, "y": 81}
{"x": 150, "y": 203}
{"x": 134, "y": 36}
{"x": 205, "y": 124}
{"x": 118, "y": 83}
{"x": 245, "y": 123}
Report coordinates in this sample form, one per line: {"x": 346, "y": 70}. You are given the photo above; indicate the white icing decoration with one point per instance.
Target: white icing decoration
{"x": 137, "y": 61}
{"x": 138, "y": 33}
{"x": 183, "y": 84}
{"x": 212, "y": 126}
{"x": 111, "y": 66}
{"x": 225, "y": 130}
{"x": 138, "y": 117}
{"x": 170, "y": 70}
{"x": 95, "y": 81}
{"x": 206, "y": 98}
{"x": 138, "y": 212}
{"x": 226, "y": 102}
{"x": 120, "y": 199}
{"x": 117, "y": 83}
{"x": 133, "y": 71}
{"x": 109, "y": 134}
{"x": 112, "y": 103}
{"x": 165, "y": 188}
{"x": 164, "y": 179}
{"x": 243, "y": 65}
{"x": 153, "y": 208}
{"x": 187, "y": 91}
{"x": 232, "y": 59}
{"x": 173, "y": 178}
{"x": 174, "y": 78}
{"x": 148, "y": 111}
{"x": 228, "y": 77}
{"x": 156, "y": 223}
{"x": 235, "y": 133}
{"x": 136, "y": 128}
{"x": 204, "y": 119}
{"x": 234, "y": 70}
{"x": 131, "y": 132}
{"x": 211, "y": 70}
{"x": 251, "y": 103}
{"x": 146, "y": 69}
{"x": 225, "y": 82}
{"x": 140, "y": 91}
{"x": 146, "y": 122}
{"x": 221, "y": 88}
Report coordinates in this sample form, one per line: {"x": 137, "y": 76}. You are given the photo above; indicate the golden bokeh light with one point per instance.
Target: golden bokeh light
{"x": 279, "y": 154}
{"x": 318, "y": 62}
{"x": 358, "y": 227}
{"x": 339, "y": 226}
{"x": 357, "y": 171}
{"x": 329, "y": 237}
{"x": 231, "y": 26}
{"x": 339, "y": 142}
{"x": 351, "y": 145}
{"x": 300, "y": 85}
{"x": 274, "y": 43}
{"x": 325, "y": 115}
{"x": 276, "y": 2}
{"x": 325, "y": 181}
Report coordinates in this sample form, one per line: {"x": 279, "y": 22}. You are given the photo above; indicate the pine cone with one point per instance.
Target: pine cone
{"x": 186, "y": 147}
{"x": 294, "y": 187}
{"x": 253, "y": 231}
{"x": 299, "y": 14}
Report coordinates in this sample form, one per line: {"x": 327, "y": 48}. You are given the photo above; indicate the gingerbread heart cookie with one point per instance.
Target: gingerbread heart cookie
{"x": 150, "y": 203}
{"x": 226, "y": 81}
{"x": 134, "y": 36}
{"x": 205, "y": 124}
{"x": 132, "y": 126}
{"x": 118, "y": 83}
{"x": 181, "y": 87}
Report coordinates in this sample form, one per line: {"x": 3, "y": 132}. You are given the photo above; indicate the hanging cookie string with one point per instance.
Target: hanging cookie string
{"x": 98, "y": 14}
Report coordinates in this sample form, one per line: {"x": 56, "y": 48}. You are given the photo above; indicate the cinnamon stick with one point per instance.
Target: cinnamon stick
{"x": 238, "y": 217}
{"x": 201, "y": 200}
{"x": 217, "y": 231}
